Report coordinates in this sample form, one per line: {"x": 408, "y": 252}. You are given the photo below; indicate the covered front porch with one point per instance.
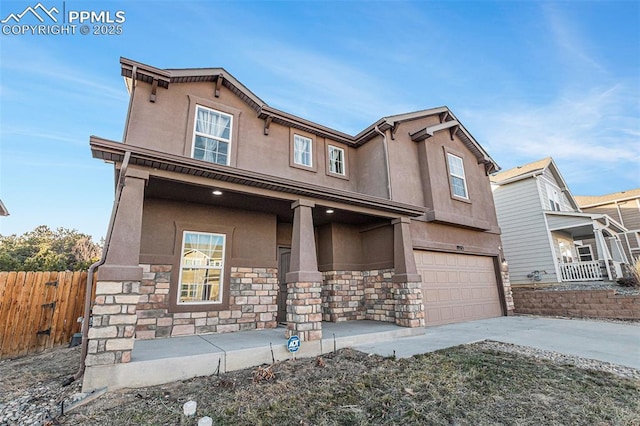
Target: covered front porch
{"x": 586, "y": 247}
{"x": 158, "y": 361}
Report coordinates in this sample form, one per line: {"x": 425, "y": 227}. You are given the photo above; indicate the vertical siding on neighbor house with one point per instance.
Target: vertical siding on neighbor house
{"x": 630, "y": 213}
{"x": 525, "y": 239}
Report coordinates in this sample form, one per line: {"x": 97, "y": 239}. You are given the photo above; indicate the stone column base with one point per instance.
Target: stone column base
{"x": 111, "y": 335}
{"x": 304, "y": 310}
{"x": 409, "y": 308}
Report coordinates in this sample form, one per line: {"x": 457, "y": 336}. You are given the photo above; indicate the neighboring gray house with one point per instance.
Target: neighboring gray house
{"x": 624, "y": 207}
{"x": 546, "y": 237}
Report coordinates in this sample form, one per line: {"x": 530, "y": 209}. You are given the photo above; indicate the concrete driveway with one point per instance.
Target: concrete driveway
{"x": 604, "y": 341}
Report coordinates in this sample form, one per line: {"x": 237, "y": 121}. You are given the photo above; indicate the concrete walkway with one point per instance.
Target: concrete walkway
{"x": 160, "y": 361}
{"x": 599, "y": 340}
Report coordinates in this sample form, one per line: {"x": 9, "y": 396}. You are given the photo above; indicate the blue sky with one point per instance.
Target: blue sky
{"x": 527, "y": 79}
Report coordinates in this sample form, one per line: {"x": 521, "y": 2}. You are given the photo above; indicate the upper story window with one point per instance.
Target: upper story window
{"x": 457, "y": 177}
{"x": 302, "y": 151}
{"x": 212, "y": 136}
{"x": 336, "y": 160}
{"x": 554, "y": 198}
{"x": 201, "y": 268}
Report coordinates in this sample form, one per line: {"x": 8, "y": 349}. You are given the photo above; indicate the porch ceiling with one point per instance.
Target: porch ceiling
{"x": 186, "y": 169}
{"x": 577, "y": 232}
{"x": 165, "y": 189}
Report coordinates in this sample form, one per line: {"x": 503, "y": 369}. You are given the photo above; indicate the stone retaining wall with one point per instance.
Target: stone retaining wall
{"x": 576, "y": 303}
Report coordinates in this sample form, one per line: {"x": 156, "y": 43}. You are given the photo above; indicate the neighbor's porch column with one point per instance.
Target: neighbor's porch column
{"x": 111, "y": 335}
{"x": 304, "y": 282}
{"x": 603, "y": 250}
{"x": 408, "y": 292}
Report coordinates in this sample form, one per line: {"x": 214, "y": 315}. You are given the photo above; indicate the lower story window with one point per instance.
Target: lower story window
{"x": 201, "y": 267}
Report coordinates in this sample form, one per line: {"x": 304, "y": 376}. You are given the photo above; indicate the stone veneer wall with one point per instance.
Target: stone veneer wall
{"x": 358, "y": 295}
{"x": 113, "y": 322}
{"x": 506, "y": 286}
{"x": 252, "y": 305}
{"x": 577, "y": 303}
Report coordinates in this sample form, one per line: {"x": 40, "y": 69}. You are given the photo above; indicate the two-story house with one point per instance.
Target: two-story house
{"x": 232, "y": 215}
{"x": 546, "y": 237}
{"x": 624, "y": 207}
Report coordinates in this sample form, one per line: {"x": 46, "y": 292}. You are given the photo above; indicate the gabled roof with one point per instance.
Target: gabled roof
{"x": 521, "y": 172}
{"x": 598, "y": 200}
{"x": 531, "y": 170}
{"x": 3, "y": 209}
{"x": 164, "y": 77}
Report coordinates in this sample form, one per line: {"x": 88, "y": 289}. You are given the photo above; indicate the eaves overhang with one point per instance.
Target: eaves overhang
{"x": 617, "y": 197}
{"x": 446, "y": 116}
{"x": 286, "y": 119}
{"x": 114, "y": 151}
{"x": 165, "y": 77}
{"x": 137, "y": 71}
{"x": 531, "y": 174}
{"x": 604, "y": 219}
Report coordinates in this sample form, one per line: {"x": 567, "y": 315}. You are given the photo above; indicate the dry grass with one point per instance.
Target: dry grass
{"x": 465, "y": 385}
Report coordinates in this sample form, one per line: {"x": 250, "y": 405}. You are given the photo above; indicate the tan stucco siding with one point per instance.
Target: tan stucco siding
{"x": 252, "y": 235}
{"x": 371, "y": 170}
{"x": 404, "y": 163}
{"x": 167, "y": 126}
{"x": 435, "y": 183}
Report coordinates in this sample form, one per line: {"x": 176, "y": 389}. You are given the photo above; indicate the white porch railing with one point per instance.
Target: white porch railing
{"x": 581, "y": 271}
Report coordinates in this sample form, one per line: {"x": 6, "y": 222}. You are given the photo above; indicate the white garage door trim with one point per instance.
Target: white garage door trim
{"x": 457, "y": 287}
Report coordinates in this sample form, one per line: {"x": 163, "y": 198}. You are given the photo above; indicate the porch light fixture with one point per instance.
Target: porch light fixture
{"x": 216, "y": 192}
{"x": 329, "y": 211}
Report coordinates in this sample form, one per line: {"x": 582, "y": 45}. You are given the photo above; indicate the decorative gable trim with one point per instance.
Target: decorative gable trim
{"x": 133, "y": 70}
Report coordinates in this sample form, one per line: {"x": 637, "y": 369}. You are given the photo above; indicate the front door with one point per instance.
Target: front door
{"x": 284, "y": 262}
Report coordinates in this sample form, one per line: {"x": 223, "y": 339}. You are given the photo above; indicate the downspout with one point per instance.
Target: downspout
{"x": 386, "y": 159}
{"x": 134, "y": 71}
{"x": 92, "y": 269}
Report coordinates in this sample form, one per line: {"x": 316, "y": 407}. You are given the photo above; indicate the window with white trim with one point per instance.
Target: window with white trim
{"x": 457, "y": 177}
{"x": 584, "y": 253}
{"x": 302, "y": 151}
{"x": 565, "y": 252}
{"x": 336, "y": 160}
{"x": 201, "y": 268}
{"x": 212, "y": 136}
{"x": 554, "y": 198}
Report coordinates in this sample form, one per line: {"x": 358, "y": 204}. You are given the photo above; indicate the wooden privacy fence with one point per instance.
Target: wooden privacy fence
{"x": 39, "y": 310}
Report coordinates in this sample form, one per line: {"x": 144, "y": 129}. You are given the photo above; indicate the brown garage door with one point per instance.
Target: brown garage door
{"x": 457, "y": 287}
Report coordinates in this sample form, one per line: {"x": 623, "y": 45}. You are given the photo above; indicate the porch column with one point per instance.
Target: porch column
{"x": 409, "y": 308}
{"x": 304, "y": 281}
{"x": 111, "y": 335}
{"x": 603, "y": 251}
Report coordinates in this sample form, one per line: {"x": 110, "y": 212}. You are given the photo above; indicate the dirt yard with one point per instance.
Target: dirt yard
{"x": 483, "y": 383}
